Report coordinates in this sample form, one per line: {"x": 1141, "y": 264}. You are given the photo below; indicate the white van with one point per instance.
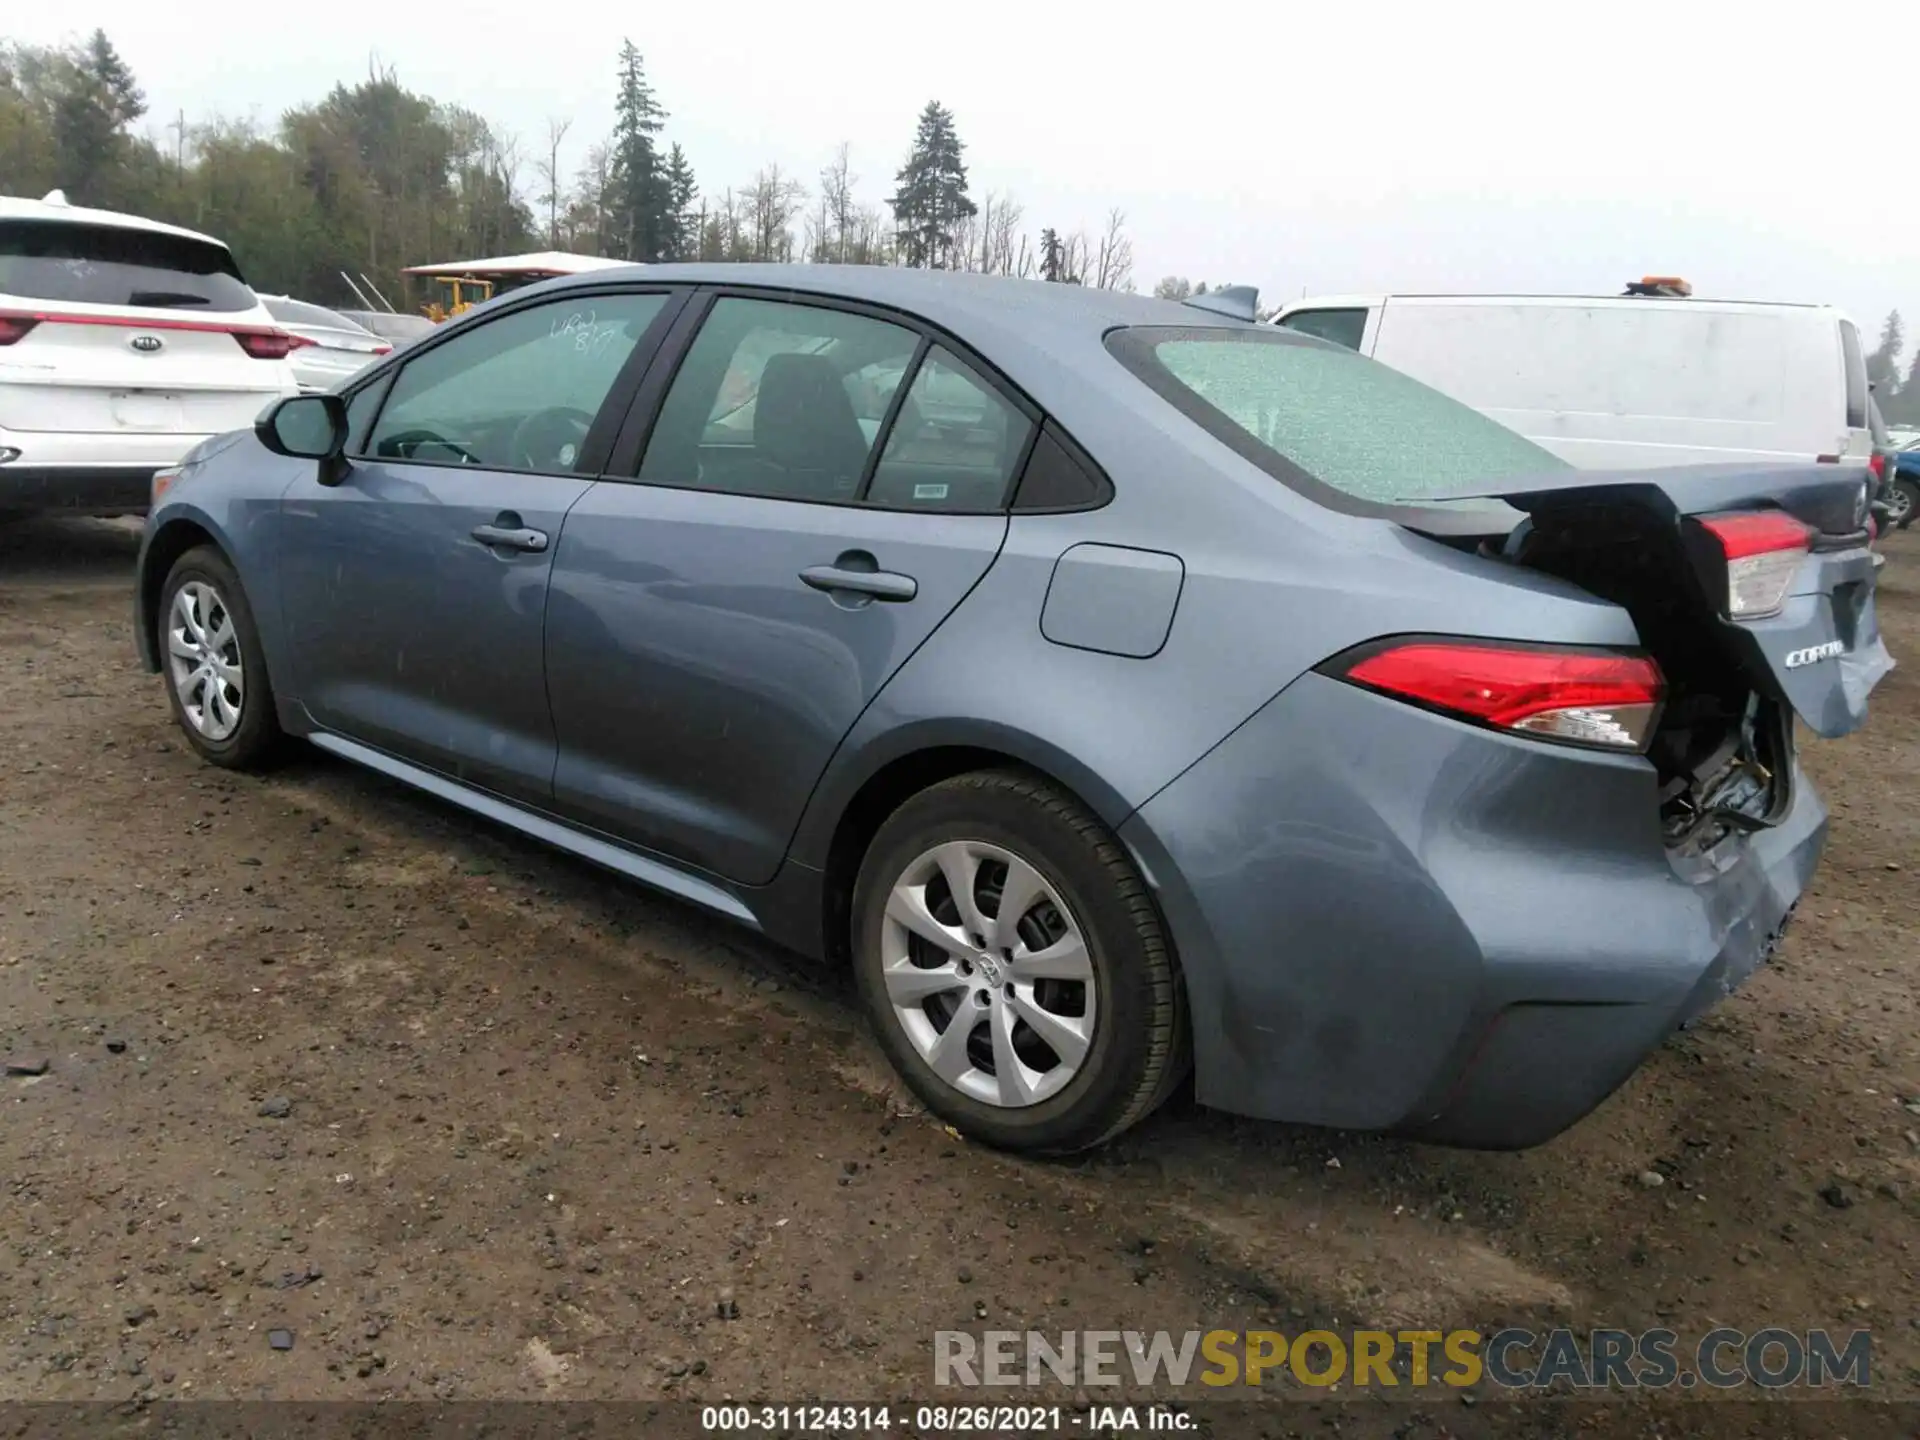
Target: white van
{"x": 1653, "y": 377}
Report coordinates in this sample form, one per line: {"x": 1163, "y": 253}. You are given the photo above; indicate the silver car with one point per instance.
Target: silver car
{"x": 1113, "y": 684}
{"x": 333, "y": 349}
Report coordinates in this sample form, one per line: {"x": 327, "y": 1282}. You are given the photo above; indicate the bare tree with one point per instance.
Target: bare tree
{"x": 550, "y": 172}
{"x": 1003, "y": 243}
{"x": 837, "y": 206}
{"x": 1074, "y": 252}
{"x": 1174, "y": 287}
{"x": 869, "y": 238}
{"x": 772, "y": 201}
{"x": 588, "y": 215}
{"x": 1113, "y": 256}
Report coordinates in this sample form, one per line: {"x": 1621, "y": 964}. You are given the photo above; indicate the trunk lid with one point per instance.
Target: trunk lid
{"x": 118, "y": 373}
{"x": 1646, "y": 540}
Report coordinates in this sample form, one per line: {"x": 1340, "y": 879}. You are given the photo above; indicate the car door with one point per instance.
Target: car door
{"x": 820, "y": 488}
{"x": 415, "y": 589}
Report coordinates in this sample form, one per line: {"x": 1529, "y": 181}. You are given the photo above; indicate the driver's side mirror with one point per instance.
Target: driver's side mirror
{"x": 307, "y": 427}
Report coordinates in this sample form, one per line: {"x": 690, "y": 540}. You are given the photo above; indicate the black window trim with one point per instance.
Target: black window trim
{"x": 629, "y": 447}
{"x": 1133, "y": 346}
{"x": 1077, "y": 453}
{"x": 895, "y": 403}
{"x": 595, "y": 451}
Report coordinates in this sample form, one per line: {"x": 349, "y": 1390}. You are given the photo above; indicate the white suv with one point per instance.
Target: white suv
{"x": 123, "y": 343}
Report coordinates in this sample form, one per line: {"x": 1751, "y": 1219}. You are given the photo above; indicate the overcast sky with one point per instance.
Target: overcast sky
{"x": 1323, "y": 148}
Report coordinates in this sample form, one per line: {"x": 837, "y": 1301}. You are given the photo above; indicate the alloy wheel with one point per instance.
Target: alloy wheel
{"x": 203, "y": 659}
{"x": 989, "y": 974}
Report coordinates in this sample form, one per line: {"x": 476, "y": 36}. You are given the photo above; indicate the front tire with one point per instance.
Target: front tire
{"x": 215, "y": 671}
{"x": 1014, "y": 966}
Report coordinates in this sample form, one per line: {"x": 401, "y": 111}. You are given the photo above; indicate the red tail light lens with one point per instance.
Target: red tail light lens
{"x": 1877, "y": 466}
{"x": 1584, "y": 697}
{"x": 269, "y": 344}
{"x": 383, "y": 349}
{"x": 1763, "y": 550}
{"x": 15, "y": 327}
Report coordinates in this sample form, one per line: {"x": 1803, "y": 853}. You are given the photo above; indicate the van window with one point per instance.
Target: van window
{"x": 60, "y": 260}
{"x": 1342, "y": 327}
{"x": 1856, "y": 376}
{"x": 1305, "y": 412}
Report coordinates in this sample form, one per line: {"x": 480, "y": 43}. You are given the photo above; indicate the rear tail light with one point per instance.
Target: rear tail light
{"x": 1762, "y": 550}
{"x": 1877, "y": 466}
{"x": 383, "y": 349}
{"x": 15, "y": 327}
{"x": 1584, "y": 697}
{"x": 269, "y": 344}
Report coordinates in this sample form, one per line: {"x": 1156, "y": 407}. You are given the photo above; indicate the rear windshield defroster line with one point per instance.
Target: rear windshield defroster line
{"x": 1345, "y": 431}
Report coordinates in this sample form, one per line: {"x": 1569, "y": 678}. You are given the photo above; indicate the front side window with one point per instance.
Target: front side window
{"x": 954, "y": 444}
{"x": 778, "y": 399}
{"x": 62, "y": 261}
{"x": 1310, "y": 415}
{"x": 517, "y": 392}
{"x": 1342, "y": 327}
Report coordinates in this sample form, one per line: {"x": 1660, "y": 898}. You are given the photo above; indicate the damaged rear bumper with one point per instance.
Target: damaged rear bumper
{"x": 1389, "y": 920}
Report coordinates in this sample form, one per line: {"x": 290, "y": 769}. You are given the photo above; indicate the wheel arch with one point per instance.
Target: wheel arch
{"x": 857, "y": 797}
{"x": 162, "y": 548}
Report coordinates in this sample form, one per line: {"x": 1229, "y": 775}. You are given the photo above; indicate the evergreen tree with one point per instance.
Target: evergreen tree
{"x": 1052, "y": 261}
{"x": 681, "y": 191}
{"x": 932, "y": 199}
{"x": 1883, "y": 365}
{"x": 639, "y": 198}
{"x": 97, "y": 100}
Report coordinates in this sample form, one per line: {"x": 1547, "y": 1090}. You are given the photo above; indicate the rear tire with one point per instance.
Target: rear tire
{"x": 1075, "y": 1016}
{"x": 215, "y": 671}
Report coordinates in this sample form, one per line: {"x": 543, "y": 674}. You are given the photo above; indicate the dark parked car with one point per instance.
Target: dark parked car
{"x": 1903, "y": 484}
{"x": 1110, "y": 681}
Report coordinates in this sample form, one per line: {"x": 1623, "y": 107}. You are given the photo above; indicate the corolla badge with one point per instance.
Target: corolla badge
{"x": 1813, "y": 654}
{"x": 146, "y": 344}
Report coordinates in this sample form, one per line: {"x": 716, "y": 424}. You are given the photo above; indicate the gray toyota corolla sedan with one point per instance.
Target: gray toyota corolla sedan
{"x": 1121, "y": 687}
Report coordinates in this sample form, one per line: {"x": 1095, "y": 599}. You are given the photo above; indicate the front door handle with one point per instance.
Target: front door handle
{"x": 879, "y": 584}
{"x": 511, "y": 537}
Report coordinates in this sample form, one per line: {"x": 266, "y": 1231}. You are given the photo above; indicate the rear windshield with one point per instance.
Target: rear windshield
{"x": 1320, "y": 417}
{"x": 60, "y": 261}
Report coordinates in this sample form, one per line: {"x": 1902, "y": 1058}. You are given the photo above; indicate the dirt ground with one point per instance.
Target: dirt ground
{"x": 470, "y": 1119}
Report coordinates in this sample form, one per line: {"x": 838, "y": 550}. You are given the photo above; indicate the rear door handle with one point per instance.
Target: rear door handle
{"x": 506, "y": 537}
{"x": 880, "y": 584}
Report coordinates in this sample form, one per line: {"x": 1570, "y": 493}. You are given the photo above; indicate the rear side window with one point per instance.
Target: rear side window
{"x": 779, "y": 399}
{"x": 954, "y": 443}
{"x": 1342, "y": 327}
{"x": 59, "y": 261}
{"x": 1326, "y": 420}
{"x": 1856, "y": 376}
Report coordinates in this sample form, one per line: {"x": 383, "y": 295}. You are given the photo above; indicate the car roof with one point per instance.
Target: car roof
{"x": 15, "y": 207}
{"x": 957, "y": 300}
